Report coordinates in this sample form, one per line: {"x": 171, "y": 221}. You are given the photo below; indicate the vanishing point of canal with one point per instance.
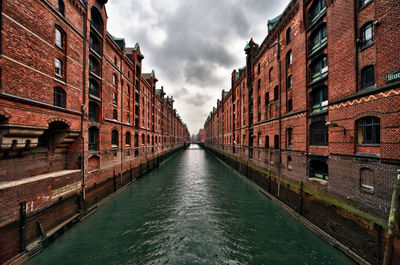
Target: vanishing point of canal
{"x": 190, "y": 210}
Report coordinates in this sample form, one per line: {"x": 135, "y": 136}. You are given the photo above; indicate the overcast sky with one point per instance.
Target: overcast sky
{"x": 193, "y": 45}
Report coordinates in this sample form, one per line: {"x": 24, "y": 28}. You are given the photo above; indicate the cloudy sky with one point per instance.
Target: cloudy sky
{"x": 193, "y": 45}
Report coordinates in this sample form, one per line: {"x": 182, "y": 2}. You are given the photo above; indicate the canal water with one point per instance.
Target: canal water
{"x": 190, "y": 210}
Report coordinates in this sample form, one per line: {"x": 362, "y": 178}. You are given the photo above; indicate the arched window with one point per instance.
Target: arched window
{"x": 114, "y": 138}
{"x": 94, "y": 43}
{"x": 318, "y": 133}
{"x": 96, "y": 21}
{"x": 60, "y": 97}
{"x": 267, "y": 141}
{"x": 61, "y": 7}
{"x": 93, "y": 138}
{"x": 289, "y": 58}
{"x": 271, "y": 74}
{"x": 367, "y": 179}
{"x": 93, "y": 87}
{"x": 318, "y": 169}
{"x": 364, "y": 2}
{"x": 368, "y": 76}
{"x": 288, "y": 35}
{"x": 93, "y": 111}
{"x": 128, "y": 139}
{"x": 58, "y": 67}
{"x": 276, "y": 142}
{"x": 368, "y": 131}
{"x": 59, "y": 38}
{"x": 94, "y": 65}
{"x": 289, "y": 138}
{"x": 115, "y": 114}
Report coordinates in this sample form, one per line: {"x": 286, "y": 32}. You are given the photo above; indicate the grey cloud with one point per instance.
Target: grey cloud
{"x": 198, "y": 49}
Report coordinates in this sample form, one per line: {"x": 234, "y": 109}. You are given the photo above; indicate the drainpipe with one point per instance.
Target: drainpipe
{"x": 122, "y": 116}
{"x": 356, "y": 44}
{"x": 83, "y": 107}
{"x": 307, "y": 94}
{"x": 278, "y": 56}
{"x": 1, "y": 24}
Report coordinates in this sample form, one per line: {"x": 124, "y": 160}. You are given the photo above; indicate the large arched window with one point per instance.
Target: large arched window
{"x": 318, "y": 169}
{"x": 60, "y": 97}
{"x": 93, "y": 111}
{"x": 93, "y": 138}
{"x": 318, "y": 133}
{"x": 368, "y": 131}
{"x": 96, "y": 21}
{"x": 114, "y": 138}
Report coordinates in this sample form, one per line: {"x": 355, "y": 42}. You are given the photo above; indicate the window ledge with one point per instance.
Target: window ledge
{"x": 322, "y": 112}
{"x": 320, "y": 181}
{"x": 368, "y": 155}
{"x": 114, "y": 147}
{"x": 314, "y": 53}
{"x": 365, "y": 5}
{"x": 94, "y": 97}
{"x": 368, "y": 190}
{"x": 59, "y": 81}
{"x": 95, "y": 75}
{"x": 366, "y": 45}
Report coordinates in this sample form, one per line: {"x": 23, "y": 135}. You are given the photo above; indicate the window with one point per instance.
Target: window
{"x": 319, "y": 68}
{"x": 288, "y": 35}
{"x": 115, "y": 79}
{"x": 364, "y": 2}
{"x": 59, "y": 38}
{"x": 58, "y": 67}
{"x": 318, "y": 133}
{"x": 276, "y": 93}
{"x": 93, "y": 138}
{"x": 61, "y": 7}
{"x": 93, "y": 87}
{"x": 368, "y": 77}
{"x": 368, "y": 131}
{"x": 60, "y": 97}
{"x": 289, "y": 138}
{"x": 115, "y": 114}
{"x": 258, "y": 68}
{"x": 259, "y": 139}
{"x": 128, "y": 139}
{"x": 96, "y": 21}
{"x": 289, "y": 105}
{"x": 316, "y": 10}
{"x": 143, "y": 139}
{"x": 319, "y": 99}
{"x": 266, "y": 142}
{"x": 259, "y": 84}
{"x": 276, "y": 141}
{"x": 318, "y": 38}
{"x": 128, "y": 118}
{"x": 289, "y": 58}
{"x": 94, "y": 43}
{"x": 318, "y": 169}
{"x": 367, "y": 179}
{"x": 93, "y": 111}
{"x": 289, "y": 82}
{"x": 128, "y": 90}
{"x": 367, "y": 34}
{"x": 114, "y": 138}
{"x": 114, "y": 98}
{"x": 94, "y": 65}
{"x": 115, "y": 60}
{"x": 266, "y": 99}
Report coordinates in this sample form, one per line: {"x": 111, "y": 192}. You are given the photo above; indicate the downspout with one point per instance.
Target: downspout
{"x": 1, "y": 24}
{"x": 83, "y": 107}
{"x": 356, "y": 61}
{"x": 122, "y": 116}
{"x": 307, "y": 94}
{"x": 278, "y": 56}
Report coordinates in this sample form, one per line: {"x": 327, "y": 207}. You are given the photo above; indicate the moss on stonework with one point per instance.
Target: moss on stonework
{"x": 317, "y": 194}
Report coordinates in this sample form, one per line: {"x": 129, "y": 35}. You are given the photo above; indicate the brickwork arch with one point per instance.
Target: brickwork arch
{"x": 59, "y": 120}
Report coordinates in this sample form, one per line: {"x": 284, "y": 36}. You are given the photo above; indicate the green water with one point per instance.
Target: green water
{"x": 191, "y": 210}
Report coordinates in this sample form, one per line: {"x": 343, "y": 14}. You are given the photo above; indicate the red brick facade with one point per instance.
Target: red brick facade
{"x": 313, "y": 103}
{"x": 75, "y": 107}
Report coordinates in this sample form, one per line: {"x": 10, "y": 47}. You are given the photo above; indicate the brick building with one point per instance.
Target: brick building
{"x": 75, "y": 109}
{"x": 318, "y": 102}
